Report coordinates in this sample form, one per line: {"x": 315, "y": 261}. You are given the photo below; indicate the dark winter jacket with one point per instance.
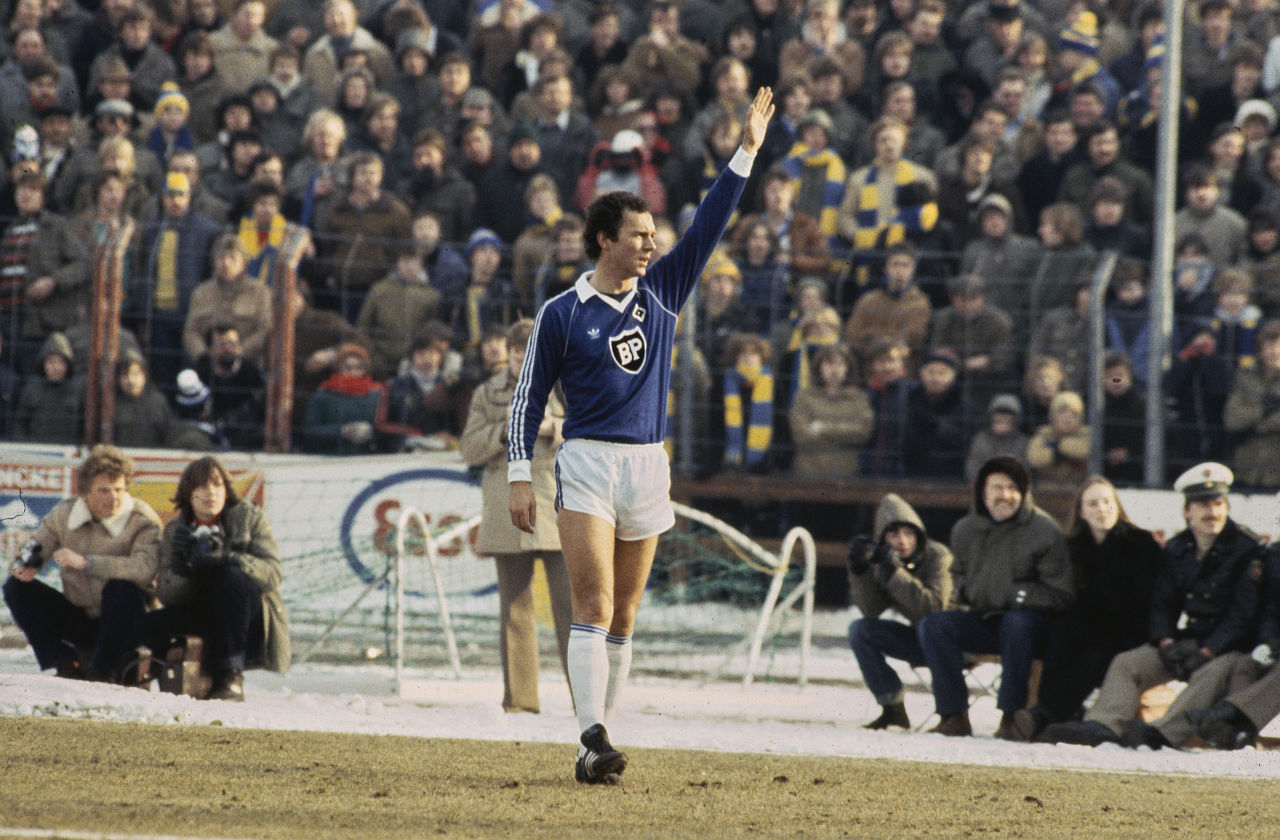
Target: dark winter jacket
{"x": 1114, "y": 583}
{"x": 1213, "y": 599}
{"x": 253, "y": 548}
{"x": 1018, "y": 564}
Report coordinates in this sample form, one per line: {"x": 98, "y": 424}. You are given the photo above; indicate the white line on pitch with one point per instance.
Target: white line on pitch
{"x": 68, "y": 834}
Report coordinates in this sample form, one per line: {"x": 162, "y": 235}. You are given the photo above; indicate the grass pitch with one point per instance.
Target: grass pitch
{"x": 187, "y": 781}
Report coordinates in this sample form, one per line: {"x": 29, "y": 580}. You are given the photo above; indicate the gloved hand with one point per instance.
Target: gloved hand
{"x": 1265, "y": 653}
{"x": 1175, "y": 657}
{"x": 1192, "y": 661}
{"x": 181, "y": 545}
{"x": 886, "y": 561}
{"x": 861, "y": 549}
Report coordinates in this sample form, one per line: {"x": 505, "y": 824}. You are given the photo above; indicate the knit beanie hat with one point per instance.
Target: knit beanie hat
{"x": 481, "y": 237}
{"x": 171, "y": 94}
{"x": 1081, "y": 35}
{"x": 1155, "y": 54}
{"x": 192, "y": 392}
{"x": 720, "y": 263}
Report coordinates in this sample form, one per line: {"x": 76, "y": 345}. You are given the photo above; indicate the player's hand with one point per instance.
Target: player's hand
{"x": 758, "y": 116}
{"x": 522, "y": 505}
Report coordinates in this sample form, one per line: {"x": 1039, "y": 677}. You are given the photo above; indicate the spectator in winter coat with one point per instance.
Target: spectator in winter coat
{"x": 1253, "y": 412}
{"x": 428, "y": 397}
{"x": 1000, "y": 256}
{"x": 889, "y": 388}
{"x": 1114, "y": 565}
{"x": 1223, "y": 229}
{"x": 1127, "y": 323}
{"x": 353, "y": 241}
{"x": 51, "y": 404}
{"x": 898, "y": 568}
{"x": 1065, "y": 258}
{"x": 1013, "y": 573}
{"x": 515, "y": 553}
{"x": 940, "y": 419}
{"x": 896, "y": 311}
{"x": 142, "y": 414}
{"x": 979, "y": 336}
{"x": 1002, "y": 435}
{"x": 1059, "y": 450}
{"x": 831, "y": 418}
{"x": 395, "y": 309}
{"x": 230, "y": 297}
{"x": 105, "y": 543}
{"x": 1124, "y": 417}
{"x": 346, "y": 415}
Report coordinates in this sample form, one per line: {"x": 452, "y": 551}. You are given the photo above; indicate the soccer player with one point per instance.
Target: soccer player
{"x": 608, "y": 341}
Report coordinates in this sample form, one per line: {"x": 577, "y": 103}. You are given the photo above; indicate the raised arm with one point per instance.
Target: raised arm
{"x": 758, "y": 116}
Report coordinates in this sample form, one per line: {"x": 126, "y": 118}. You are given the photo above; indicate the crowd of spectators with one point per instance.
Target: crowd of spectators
{"x": 903, "y": 290}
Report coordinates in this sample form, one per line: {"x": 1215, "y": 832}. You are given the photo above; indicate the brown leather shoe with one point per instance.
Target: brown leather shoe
{"x": 954, "y": 726}
{"x": 1007, "y": 730}
{"x": 894, "y": 714}
{"x": 1024, "y": 726}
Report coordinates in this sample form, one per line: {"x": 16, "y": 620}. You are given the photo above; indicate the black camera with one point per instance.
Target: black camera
{"x": 208, "y": 540}
{"x": 861, "y": 549}
{"x": 31, "y": 555}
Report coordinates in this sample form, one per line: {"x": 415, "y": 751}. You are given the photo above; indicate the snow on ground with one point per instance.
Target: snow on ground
{"x": 771, "y": 718}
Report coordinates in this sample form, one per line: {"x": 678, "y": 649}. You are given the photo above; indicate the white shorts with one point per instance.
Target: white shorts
{"x": 626, "y": 484}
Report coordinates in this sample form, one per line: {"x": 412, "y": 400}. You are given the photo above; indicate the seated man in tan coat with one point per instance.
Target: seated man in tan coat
{"x": 106, "y": 545}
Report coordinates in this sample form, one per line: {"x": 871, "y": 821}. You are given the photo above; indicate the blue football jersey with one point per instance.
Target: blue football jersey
{"x": 612, "y": 355}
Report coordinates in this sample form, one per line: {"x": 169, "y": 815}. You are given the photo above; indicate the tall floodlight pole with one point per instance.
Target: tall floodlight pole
{"x": 1161, "y": 313}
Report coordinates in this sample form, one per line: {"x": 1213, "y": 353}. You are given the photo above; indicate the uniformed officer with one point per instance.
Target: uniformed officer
{"x": 1205, "y": 604}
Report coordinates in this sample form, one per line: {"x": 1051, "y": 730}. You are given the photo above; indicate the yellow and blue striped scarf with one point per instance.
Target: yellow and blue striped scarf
{"x": 892, "y": 221}
{"x": 262, "y": 255}
{"x": 802, "y": 158}
{"x": 747, "y": 436}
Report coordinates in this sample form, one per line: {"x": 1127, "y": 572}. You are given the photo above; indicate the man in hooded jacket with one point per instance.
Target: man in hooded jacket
{"x": 901, "y": 569}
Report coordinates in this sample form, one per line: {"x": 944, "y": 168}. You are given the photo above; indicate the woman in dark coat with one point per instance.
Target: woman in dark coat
{"x": 1114, "y": 565}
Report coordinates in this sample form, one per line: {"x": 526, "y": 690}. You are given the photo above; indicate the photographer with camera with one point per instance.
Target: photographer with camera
{"x": 901, "y": 569}
{"x": 105, "y": 543}
{"x": 220, "y": 578}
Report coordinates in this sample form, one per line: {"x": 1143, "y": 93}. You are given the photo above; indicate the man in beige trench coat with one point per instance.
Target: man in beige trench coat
{"x": 484, "y": 443}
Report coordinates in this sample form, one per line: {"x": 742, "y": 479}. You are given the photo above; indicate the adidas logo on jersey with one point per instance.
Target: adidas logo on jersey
{"x": 593, "y": 333}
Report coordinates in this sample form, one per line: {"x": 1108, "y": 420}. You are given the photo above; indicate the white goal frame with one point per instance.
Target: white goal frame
{"x": 768, "y": 623}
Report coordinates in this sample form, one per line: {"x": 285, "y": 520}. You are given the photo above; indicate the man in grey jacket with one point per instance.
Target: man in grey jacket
{"x": 900, "y": 569}
{"x": 1011, "y": 571}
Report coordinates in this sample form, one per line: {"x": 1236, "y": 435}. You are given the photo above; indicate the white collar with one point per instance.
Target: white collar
{"x": 586, "y": 291}
{"x": 80, "y": 515}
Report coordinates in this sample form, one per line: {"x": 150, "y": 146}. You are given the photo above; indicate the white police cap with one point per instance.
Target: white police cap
{"x": 1205, "y": 481}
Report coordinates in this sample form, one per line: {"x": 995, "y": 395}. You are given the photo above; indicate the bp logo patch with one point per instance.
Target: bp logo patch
{"x": 628, "y": 349}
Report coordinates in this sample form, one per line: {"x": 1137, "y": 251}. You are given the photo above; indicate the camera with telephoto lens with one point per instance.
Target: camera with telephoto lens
{"x": 208, "y": 540}
{"x": 30, "y": 556}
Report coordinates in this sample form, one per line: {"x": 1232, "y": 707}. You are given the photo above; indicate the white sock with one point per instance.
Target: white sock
{"x": 588, "y": 672}
{"x": 618, "y": 649}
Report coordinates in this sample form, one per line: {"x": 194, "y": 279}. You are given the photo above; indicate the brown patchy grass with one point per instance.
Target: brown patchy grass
{"x": 207, "y": 781}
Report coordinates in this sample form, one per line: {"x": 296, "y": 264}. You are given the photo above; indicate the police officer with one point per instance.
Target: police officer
{"x": 1205, "y": 604}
